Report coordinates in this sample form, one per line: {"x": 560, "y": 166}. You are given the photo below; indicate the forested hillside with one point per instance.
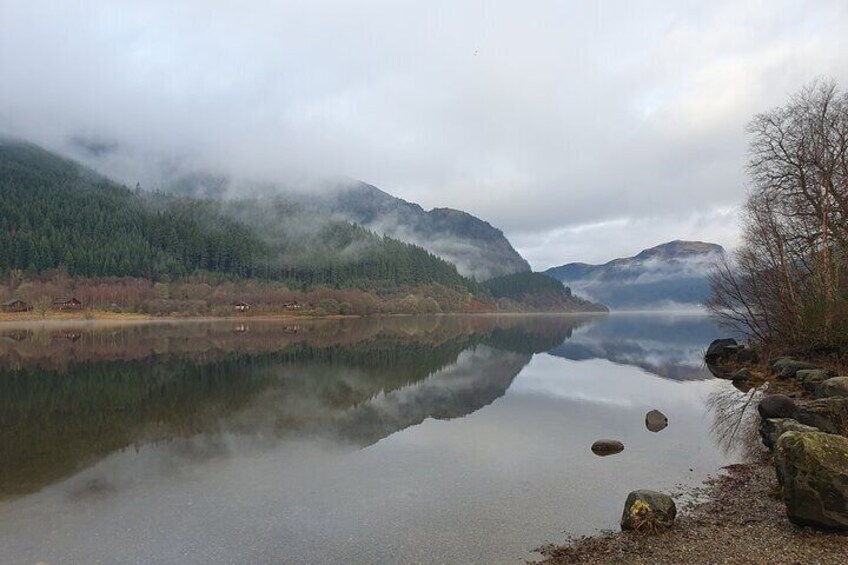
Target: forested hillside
{"x": 537, "y": 292}
{"x": 53, "y": 213}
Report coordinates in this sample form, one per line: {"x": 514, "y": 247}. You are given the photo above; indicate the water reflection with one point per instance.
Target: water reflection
{"x": 440, "y": 439}
{"x": 735, "y": 421}
{"x": 669, "y": 346}
{"x": 67, "y": 402}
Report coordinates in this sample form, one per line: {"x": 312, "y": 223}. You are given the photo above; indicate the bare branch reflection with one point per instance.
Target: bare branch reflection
{"x": 735, "y": 421}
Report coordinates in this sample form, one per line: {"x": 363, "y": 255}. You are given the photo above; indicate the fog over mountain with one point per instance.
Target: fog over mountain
{"x": 477, "y": 248}
{"x": 494, "y": 107}
{"x": 671, "y": 275}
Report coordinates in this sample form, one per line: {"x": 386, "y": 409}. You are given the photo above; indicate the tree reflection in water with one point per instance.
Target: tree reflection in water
{"x": 735, "y": 420}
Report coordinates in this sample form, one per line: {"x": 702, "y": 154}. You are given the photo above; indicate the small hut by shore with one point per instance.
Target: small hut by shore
{"x": 67, "y": 304}
{"x": 16, "y": 305}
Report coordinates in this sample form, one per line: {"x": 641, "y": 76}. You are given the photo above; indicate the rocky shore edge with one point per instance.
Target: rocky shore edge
{"x": 788, "y": 506}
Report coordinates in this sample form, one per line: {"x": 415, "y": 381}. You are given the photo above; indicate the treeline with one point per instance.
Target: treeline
{"x": 56, "y": 214}
{"x": 536, "y": 292}
{"x": 787, "y": 286}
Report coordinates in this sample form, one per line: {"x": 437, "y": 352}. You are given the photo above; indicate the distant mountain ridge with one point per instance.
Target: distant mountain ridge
{"x": 671, "y": 274}
{"x": 477, "y": 248}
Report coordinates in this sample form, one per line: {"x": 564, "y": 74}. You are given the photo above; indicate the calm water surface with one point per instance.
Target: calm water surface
{"x": 400, "y": 440}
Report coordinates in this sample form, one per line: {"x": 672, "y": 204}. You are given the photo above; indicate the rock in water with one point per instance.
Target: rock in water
{"x": 655, "y": 421}
{"x": 772, "y": 428}
{"x": 837, "y": 386}
{"x": 776, "y": 406}
{"x": 721, "y": 349}
{"x": 646, "y": 509}
{"x": 830, "y": 415}
{"x": 604, "y": 447}
{"x": 812, "y": 468}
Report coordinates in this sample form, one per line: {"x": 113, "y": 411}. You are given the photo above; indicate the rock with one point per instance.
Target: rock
{"x": 721, "y": 350}
{"x": 778, "y": 363}
{"x": 604, "y": 447}
{"x": 718, "y": 372}
{"x": 812, "y": 468}
{"x": 741, "y": 375}
{"x": 830, "y": 415}
{"x": 809, "y": 379}
{"x": 742, "y": 386}
{"x": 789, "y": 368}
{"x": 836, "y": 386}
{"x": 776, "y": 406}
{"x": 647, "y": 508}
{"x": 772, "y": 428}
{"x": 656, "y": 421}
{"x": 747, "y": 356}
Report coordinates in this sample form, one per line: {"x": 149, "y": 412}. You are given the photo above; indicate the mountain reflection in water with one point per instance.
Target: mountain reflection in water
{"x": 385, "y": 440}
{"x": 68, "y": 402}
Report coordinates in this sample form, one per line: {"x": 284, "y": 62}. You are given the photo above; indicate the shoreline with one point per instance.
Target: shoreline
{"x": 736, "y": 517}
{"x": 64, "y": 318}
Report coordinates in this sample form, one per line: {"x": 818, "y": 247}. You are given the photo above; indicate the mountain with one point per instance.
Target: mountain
{"x": 477, "y": 248}
{"x": 536, "y": 292}
{"x": 671, "y": 274}
{"x": 56, "y": 213}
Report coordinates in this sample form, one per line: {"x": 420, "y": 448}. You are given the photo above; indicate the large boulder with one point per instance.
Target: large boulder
{"x": 837, "y": 386}
{"x": 772, "y": 428}
{"x": 604, "y": 447}
{"x": 724, "y": 351}
{"x": 827, "y": 414}
{"x": 812, "y": 468}
{"x": 789, "y": 368}
{"x": 647, "y": 509}
{"x": 776, "y": 406}
{"x": 721, "y": 350}
{"x": 809, "y": 379}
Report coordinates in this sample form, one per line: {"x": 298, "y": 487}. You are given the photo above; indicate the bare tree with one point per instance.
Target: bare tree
{"x": 787, "y": 283}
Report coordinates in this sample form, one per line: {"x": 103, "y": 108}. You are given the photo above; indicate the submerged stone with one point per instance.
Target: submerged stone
{"x": 604, "y": 447}
{"x": 656, "y": 421}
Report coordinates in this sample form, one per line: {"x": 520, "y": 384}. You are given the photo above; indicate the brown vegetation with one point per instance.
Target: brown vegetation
{"x": 787, "y": 286}
{"x": 210, "y": 296}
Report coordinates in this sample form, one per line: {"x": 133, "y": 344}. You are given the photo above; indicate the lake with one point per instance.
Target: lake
{"x": 450, "y": 439}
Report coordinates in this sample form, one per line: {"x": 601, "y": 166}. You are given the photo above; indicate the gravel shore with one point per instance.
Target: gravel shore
{"x": 739, "y": 519}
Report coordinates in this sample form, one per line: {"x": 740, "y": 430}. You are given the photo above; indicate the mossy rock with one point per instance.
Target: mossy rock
{"x": 809, "y": 379}
{"x": 835, "y": 387}
{"x": 772, "y": 428}
{"x": 647, "y": 510}
{"x": 830, "y": 415}
{"x": 812, "y": 468}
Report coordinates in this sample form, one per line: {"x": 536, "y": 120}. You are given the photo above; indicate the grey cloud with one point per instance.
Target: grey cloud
{"x": 542, "y": 118}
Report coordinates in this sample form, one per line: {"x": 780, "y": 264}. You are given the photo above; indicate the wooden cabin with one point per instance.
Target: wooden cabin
{"x": 242, "y": 307}
{"x": 293, "y": 305}
{"x": 67, "y": 304}
{"x": 16, "y": 305}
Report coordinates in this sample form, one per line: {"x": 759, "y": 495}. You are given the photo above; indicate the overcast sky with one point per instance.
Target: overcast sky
{"x": 584, "y": 130}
